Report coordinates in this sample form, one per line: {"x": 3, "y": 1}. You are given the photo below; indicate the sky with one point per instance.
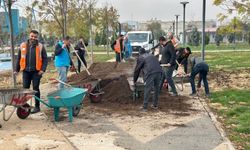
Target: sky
{"x": 142, "y": 10}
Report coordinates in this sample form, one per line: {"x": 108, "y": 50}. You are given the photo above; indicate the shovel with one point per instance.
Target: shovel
{"x": 81, "y": 61}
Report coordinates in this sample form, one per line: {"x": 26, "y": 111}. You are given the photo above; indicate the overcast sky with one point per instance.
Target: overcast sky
{"x": 142, "y": 10}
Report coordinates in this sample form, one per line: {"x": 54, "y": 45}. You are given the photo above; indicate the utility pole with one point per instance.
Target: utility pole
{"x": 176, "y": 16}
{"x": 234, "y": 33}
{"x": 184, "y": 13}
{"x": 203, "y": 30}
{"x": 64, "y": 7}
{"x": 90, "y": 31}
{"x": 174, "y": 27}
{"x": 9, "y": 4}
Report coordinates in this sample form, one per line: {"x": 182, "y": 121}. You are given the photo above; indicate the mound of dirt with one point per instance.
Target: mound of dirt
{"x": 103, "y": 71}
{"x": 117, "y": 97}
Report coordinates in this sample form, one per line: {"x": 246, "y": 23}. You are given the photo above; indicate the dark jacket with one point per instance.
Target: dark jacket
{"x": 180, "y": 56}
{"x": 31, "y": 59}
{"x": 121, "y": 45}
{"x": 148, "y": 64}
{"x": 197, "y": 64}
{"x": 80, "y": 47}
{"x": 168, "y": 54}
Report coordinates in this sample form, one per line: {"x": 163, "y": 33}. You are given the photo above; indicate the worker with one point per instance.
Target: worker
{"x": 182, "y": 55}
{"x": 198, "y": 66}
{"x": 152, "y": 72}
{"x": 118, "y": 47}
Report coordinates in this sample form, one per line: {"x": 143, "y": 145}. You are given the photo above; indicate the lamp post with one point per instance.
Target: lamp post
{"x": 184, "y": 3}
{"x": 176, "y": 33}
{"x": 9, "y": 4}
{"x": 173, "y": 27}
{"x": 203, "y": 30}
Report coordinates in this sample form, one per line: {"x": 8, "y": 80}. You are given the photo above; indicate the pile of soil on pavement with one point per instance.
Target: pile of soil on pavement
{"x": 104, "y": 70}
{"x": 117, "y": 97}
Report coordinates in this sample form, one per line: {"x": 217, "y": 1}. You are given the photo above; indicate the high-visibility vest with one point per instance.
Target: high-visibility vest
{"x": 117, "y": 46}
{"x": 23, "y": 48}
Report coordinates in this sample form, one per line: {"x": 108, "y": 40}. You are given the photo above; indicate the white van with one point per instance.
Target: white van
{"x": 141, "y": 39}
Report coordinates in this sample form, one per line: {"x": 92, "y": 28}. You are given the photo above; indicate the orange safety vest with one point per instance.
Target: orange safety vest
{"x": 117, "y": 46}
{"x": 23, "y": 48}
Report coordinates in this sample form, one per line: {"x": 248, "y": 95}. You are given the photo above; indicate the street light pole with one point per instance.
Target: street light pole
{"x": 176, "y": 33}
{"x": 184, "y": 32}
{"x": 234, "y": 33}
{"x": 12, "y": 42}
{"x": 203, "y": 30}
{"x": 173, "y": 27}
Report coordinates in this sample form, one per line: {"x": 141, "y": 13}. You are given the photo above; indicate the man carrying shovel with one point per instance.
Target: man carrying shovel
{"x": 63, "y": 60}
{"x": 118, "y": 47}
{"x": 81, "y": 51}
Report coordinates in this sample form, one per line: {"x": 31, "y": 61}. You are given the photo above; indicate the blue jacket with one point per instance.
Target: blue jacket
{"x": 128, "y": 48}
{"x": 62, "y": 58}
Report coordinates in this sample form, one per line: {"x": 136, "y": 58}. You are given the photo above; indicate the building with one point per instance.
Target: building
{"x": 5, "y": 21}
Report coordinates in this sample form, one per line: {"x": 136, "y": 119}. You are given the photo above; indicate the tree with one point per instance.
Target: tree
{"x": 156, "y": 29}
{"x": 194, "y": 37}
{"x": 107, "y": 23}
{"x": 207, "y": 39}
{"x": 59, "y": 15}
{"x": 236, "y": 29}
{"x": 230, "y": 38}
{"x": 242, "y": 7}
{"x": 218, "y": 37}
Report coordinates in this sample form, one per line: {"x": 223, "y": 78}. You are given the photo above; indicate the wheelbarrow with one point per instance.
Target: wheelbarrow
{"x": 94, "y": 90}
{"x": 70, "y": 98}
{"x": 18, "y": 99}
{"x": 137, "y": 88}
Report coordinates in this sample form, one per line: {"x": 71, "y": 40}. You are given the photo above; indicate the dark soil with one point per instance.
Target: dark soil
{"x": 117, "y": 97}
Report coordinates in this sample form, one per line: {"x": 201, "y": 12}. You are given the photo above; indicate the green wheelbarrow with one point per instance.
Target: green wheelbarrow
{"x": 70, "y": 98}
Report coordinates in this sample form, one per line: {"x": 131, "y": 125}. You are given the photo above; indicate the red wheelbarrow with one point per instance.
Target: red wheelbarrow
{"x": 18, "y": 99}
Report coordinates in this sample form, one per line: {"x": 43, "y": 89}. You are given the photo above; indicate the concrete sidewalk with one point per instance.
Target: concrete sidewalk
{"x": 92, "y": 129}
{"x": 152, "y": 130}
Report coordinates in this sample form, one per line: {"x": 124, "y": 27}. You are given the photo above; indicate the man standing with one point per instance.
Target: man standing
{"x": 118, "y": 47}
{"x": 168, "y": 62}
{"x": 32, "y": 60}
{"x": 80, "y": 47}
{"x": 62, "y": 59}
{"x": 151, "y": 73}
{"x": 198, "y": 66}
{"x": 182, "y": 57}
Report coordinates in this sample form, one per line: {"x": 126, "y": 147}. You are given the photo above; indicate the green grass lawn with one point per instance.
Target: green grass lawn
{"x": 235, "y": 115}
{"x": 223, "y": 46}
{"x": 103, "y": 57}
{"x": 227, "y": 60}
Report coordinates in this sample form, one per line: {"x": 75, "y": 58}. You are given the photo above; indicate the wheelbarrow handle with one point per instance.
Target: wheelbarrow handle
{"x": 60, "y": 81}
{"x": 40, "y": 100}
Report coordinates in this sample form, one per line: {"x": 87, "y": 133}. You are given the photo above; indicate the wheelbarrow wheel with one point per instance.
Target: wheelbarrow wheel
{"x": 23, "y": 112}
{"x": 95, "y": 98}
{"x": 76, "y": 110}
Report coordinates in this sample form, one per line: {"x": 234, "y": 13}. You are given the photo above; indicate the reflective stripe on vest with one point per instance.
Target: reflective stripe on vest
{"x": 117, "y": 46}
{"x": 23, "y": 48}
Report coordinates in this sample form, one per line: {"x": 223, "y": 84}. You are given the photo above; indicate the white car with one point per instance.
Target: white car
{"x": 141, "y": 39}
